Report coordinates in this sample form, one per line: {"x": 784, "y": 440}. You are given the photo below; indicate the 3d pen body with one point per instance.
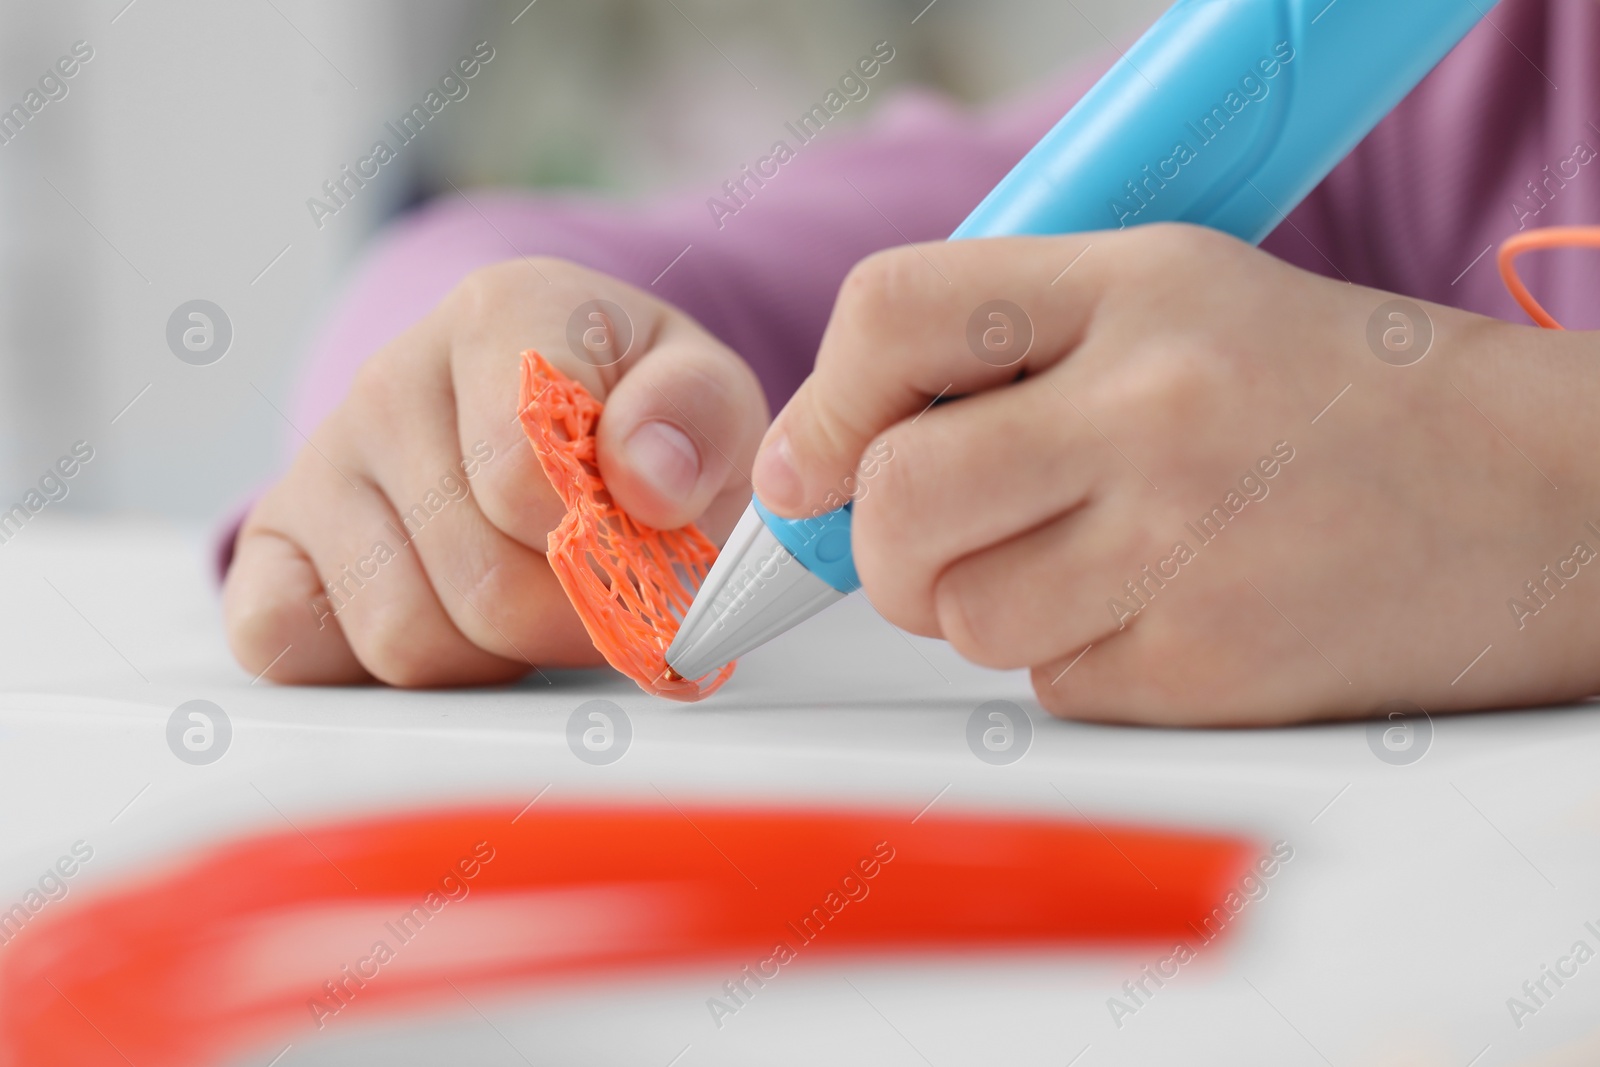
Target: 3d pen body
{"x": 1226, "y": 114}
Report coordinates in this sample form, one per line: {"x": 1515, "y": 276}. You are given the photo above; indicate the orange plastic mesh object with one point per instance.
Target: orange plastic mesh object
{"x": 630, "y": 583}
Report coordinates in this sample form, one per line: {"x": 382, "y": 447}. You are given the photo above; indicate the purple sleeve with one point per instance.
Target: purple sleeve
{"x": 1485, "y": 146}
{"x": 758, "y": 266}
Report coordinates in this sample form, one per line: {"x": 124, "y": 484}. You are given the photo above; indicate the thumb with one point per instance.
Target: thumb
{"x": 679, "y": 426}
{"x": 805, "y": 462}
{"x": 903, "y": 335}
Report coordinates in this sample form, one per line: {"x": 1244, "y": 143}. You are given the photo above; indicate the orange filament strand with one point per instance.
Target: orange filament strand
{"x": 1540, "y": 240}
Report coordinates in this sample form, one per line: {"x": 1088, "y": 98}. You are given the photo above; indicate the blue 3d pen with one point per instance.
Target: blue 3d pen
{"x": 1226, "y": 113}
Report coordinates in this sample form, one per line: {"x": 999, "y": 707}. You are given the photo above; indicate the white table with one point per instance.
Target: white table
{"x": 1419, "y": 899}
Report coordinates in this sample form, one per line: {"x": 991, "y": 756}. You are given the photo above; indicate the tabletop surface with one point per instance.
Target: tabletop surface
{"x": 1420, "y": 897}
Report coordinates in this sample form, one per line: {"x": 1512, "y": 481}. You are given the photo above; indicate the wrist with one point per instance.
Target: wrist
{"x": 1540, "y": 389}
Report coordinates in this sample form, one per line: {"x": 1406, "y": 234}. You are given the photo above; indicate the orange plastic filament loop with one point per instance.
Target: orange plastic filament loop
{"x": 630, "y": 583}
{"x": 1540, "y": 240}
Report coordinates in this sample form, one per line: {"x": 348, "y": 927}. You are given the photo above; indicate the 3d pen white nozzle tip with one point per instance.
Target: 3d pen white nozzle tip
{"x": 755, "y": 591}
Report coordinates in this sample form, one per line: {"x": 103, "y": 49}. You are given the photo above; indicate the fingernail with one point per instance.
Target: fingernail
{"x": 776, "y": 482}
{"x": 665, "y": 457}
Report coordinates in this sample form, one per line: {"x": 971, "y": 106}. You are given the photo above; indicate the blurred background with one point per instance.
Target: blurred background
{"x": 178, "y": 164}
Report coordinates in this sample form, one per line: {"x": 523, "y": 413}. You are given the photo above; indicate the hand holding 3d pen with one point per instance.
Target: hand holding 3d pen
{"x": 1143, "y": 512}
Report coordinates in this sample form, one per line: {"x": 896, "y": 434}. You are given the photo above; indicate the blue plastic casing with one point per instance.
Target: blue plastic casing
{"x": 821, "y": 544}
{"x": 1226, "y": 113}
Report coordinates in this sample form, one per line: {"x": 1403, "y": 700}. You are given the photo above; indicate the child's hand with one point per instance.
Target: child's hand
{"x": 1351, "y": 529}
{"x": 323, "y": 567}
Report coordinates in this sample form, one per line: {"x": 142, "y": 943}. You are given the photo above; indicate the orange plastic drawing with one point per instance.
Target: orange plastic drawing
{"x": 630, "y": 583}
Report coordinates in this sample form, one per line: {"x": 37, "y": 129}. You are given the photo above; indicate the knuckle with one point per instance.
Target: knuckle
{"x": 836, "y": 438}
{"x": 256, "y": 625}
{"x": 884, "y": 288}
{"x": 388, "y": 643}
{"x": 378, "y": 390}
{"x": 1080, "y": 696}
{"x": 870, "y": 467}
{"x": 1172, "y": 381}
{"x": 970, "y": 621}
{"x": 1181, "y": 242}
{"x": 898, "y": 588}
{"x": 478, "y": 293}
{"x": 493, "y": 604}
{"x": 701, "y": 393}
{"x": 900, "y": 591}
{"x": 501, "y": 490}
{"x": 516, "y": 497}
{"x": 1187, "y": 380}
{"x": 901, "y": 483}
{"x": 488, "y": 289}
{"x": 1175, "y": 264}
{"x": 824, "y": 439}
{"x": 1052, "y": 697}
